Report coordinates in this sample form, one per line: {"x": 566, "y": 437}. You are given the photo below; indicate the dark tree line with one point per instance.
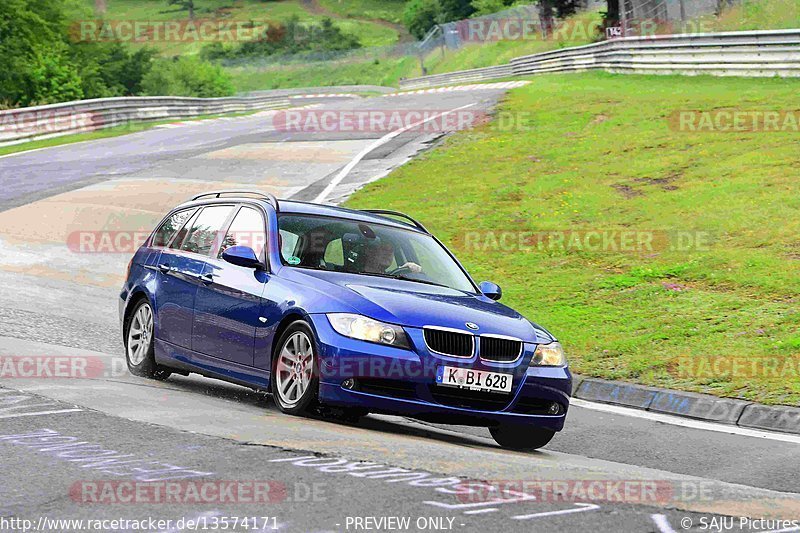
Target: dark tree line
{"x": 42, "y": 61}
{"x": 422, "y": 15}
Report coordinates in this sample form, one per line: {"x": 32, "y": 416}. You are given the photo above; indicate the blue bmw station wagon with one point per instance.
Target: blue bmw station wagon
{"x": 337, "y": 311}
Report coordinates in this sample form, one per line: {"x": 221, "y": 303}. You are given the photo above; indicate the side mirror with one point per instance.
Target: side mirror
{"x": 491, "y": 290}
{"x": 243, "y": 256}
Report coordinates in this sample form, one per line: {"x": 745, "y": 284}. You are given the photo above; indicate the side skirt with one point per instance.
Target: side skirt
{"x": 181, "y": 358}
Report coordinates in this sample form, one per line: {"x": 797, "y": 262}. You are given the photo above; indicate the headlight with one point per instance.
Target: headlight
{"x": 549, "y": 355}
{"x": 367, "y": 329}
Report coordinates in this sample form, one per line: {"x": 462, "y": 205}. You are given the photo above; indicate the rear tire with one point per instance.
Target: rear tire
{"x": 521, "y": 438}
{"x": 295, "y": 381}
{"x": 140, "y": 352}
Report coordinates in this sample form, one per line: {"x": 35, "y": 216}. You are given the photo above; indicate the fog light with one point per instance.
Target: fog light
{"x": 555, "y": 409}
{"x": 349, "y": 383}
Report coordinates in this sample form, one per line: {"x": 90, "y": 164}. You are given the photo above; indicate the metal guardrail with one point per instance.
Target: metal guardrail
{"x": 333, "y": 89}
{"x": 751, "y": 53}
{"x": 462, "y": 76}
{"x": 748, "y": 53}
{"x": 42, "y": 122}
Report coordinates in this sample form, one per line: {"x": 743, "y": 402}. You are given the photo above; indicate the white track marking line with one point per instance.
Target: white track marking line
{"x": 581, "y": 507}
{"x": 39, "y": 413}
{"x": 363, "y": 153}
{"x": 662, "y": 523}
{"x": 685, "y": 422}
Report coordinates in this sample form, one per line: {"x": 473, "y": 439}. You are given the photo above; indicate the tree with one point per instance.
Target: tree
{"x": 450, "y": 10}
{"x": 561, "y": 8}
{"x": 184, "y": 4}
{"x": 34, "y": 54}
{"x": 487, "y": 7}
{"x": 109, "y": 69}
{"x": 420, "y": 16}
{"x": 612, "y": 15}
{"x": 52, "y": 78}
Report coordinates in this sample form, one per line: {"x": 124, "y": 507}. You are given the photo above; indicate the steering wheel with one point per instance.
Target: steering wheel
{"x": 401, "y": 269}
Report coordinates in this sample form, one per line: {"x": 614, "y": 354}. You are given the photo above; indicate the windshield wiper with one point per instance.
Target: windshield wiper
{"x": 426, "y": 282}
{"x": 372, "y": 274}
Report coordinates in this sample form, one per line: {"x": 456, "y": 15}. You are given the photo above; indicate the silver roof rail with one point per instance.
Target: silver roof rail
{"x": 396, "y": 214}
{"x": 239, "y": 192}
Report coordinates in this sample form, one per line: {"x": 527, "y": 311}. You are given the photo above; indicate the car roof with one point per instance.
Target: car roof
{"x": 308, "y": 208}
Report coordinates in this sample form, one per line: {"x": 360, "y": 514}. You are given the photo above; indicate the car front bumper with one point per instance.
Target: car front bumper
{"x": 397, "y": 381}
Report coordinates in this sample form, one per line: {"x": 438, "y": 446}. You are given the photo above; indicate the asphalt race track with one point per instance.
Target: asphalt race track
{"x": 59, "y": 299}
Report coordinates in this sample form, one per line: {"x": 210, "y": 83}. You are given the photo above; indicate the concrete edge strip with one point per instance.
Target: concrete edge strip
{"x": 741, "y": 413}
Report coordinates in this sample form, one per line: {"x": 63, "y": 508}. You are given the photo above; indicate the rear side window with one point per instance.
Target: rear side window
{"x": 170, "y": 227}
{"x": 181, "y": 236}
{"x": 247, "y": 229}
{"x": 205, "y": 230}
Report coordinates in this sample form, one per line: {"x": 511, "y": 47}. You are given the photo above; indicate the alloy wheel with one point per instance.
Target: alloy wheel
{"x": 140, "y": 334}
{"x": 294, "y": 369}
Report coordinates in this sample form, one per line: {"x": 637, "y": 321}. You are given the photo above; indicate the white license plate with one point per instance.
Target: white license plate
{"x": 465, "y": 378}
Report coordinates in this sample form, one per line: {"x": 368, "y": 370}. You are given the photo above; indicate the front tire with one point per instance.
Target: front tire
{"x": 140, "y": 351}
{"x": 521, "y": 438}
{"x": 295, "y": 381}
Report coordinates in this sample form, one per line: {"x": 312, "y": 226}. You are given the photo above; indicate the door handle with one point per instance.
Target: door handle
{"x": 164, "y": 267}
{"x": 207, "y": 279}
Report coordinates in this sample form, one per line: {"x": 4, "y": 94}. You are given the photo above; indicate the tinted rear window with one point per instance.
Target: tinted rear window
{"x": 171, "y": 226}
{"x": 205, "y": 231}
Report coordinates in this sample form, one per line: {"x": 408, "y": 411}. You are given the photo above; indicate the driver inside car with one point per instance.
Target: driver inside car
{"x": 378, "y": 259}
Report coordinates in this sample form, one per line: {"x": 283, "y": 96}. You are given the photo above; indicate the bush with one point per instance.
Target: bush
{"x": 292, "y": 38}
{"x": 52, "y": 78}
{"x": 186, "y": 76}
{"x": 108, "y": 69}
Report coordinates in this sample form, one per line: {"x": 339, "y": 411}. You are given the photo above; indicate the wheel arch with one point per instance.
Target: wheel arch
{"x": 289, "y": 318}
{"x": 135, "y": 298}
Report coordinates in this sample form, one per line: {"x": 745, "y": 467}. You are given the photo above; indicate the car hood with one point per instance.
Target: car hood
{"x": 417, "y": 305}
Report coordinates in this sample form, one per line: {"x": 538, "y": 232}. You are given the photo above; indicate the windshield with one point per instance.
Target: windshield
{"x": 340, "y": 245}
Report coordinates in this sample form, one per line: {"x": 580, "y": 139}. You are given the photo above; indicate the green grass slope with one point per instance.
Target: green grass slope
{"x": 369, "y": 32}
{"x": 597, "y": 154}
